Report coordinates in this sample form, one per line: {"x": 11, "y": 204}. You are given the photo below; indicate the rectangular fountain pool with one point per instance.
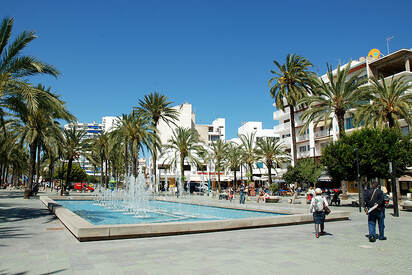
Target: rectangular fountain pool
{"x": 158, "y": 212}
{"x": 88, "y": 221}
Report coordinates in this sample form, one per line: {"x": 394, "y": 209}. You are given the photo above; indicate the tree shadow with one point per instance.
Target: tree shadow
{"x": 25, "y": 272}
{"x": 22, "y": 213}
{"x": 12, "y": 232}
{"x": 11, "y": 194}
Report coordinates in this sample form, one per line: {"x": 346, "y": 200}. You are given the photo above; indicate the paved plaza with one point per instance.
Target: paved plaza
{"x": 33, "y": 241}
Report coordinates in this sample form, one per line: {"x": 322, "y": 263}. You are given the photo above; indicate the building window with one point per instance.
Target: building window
{"x": 349, "y": 123}
{"x": 302, "y": 149}
{"x": 214, "y": 137}
{"x": 210, "y": 129}
{"x": 405, "y": 130}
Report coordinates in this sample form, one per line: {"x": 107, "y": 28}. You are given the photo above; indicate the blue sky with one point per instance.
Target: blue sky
{"x": 216, "y": 55}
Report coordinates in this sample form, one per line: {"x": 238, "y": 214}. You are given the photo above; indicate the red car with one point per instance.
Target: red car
{"x": 83, "y": 187}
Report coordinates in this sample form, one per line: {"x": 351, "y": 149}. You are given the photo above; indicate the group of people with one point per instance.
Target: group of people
{"x": 374, "y": 203}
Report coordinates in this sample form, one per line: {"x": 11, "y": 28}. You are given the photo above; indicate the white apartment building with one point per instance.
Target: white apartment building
{"x": 311, "y": 142}
{"x": 92, "y": 130}
{"x": 187, "y": 119}
{"x": 212, "y": 132}
{"x": 260, "y": 171}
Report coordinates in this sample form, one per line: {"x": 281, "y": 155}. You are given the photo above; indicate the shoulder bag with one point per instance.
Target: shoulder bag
{"x": 366, "y": 207}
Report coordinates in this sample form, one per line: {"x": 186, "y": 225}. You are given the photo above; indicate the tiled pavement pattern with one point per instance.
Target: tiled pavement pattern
{"x": 32, "y": 241}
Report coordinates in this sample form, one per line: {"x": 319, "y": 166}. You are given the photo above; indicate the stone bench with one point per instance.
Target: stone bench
{"x": 407, "y": 205}
{"x": 272, "y": 199}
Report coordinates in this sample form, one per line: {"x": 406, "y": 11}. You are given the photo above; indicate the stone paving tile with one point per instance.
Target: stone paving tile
{"x": 27, "y": 246}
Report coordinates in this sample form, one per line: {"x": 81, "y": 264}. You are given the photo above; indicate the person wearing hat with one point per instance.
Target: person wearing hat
{"x": 317, "y": 207}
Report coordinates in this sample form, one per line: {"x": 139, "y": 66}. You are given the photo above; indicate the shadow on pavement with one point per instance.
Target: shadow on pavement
{"x": 23, "y": 213}
{"x": 25, "y": 272}
{"x": 11, "y": 232}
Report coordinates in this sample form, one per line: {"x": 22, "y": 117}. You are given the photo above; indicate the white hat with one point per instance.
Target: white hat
{"x": 318, "y": 191}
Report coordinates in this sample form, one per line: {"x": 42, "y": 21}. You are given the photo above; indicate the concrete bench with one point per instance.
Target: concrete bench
{"x": 272, "y": 199}
{"x": 407, "y": 205}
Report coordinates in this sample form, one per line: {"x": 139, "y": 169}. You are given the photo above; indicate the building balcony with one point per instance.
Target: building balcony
{"x": 323, "y": 133}
{"x": 286, "y": 141}
{"x": 281, "y": 115}
{"x": 282, "y": 127}
{"x": 302, "y": 138}
{"x": 303, "y": 154}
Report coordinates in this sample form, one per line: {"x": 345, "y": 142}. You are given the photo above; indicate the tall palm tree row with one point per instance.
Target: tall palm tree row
{"x": 184, "y": 145}
{"x": 233, "y": 159}
{"x": 249, "y": 152}
{"x": 272, "y": 152}
{"x": 219, "y": 150}
{"x": 335, "y": 97}
{"x": 292, "y": 81}
{"x": 156, "y": 107}
{"x": 39, "y": 126}
{"x": 16, "y": 67}
{"x": 73, "y": 144}
{"x": 387, "y": 102}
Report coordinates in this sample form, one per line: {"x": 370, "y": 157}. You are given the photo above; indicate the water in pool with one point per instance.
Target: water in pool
{"x": 158, "y": 212}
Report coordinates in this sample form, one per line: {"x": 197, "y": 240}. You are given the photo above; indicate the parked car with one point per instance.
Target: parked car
{"x": 85, "y": 187}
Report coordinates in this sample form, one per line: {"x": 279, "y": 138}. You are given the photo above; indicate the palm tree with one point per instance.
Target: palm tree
{"x": 335, "y": 97}
{"x": 99, "y": 148}
{"x": 249, "y": 152}
{"x": 74, "y": 144}
{"x": 183, "y": 145}
{"x": 14, "y": 66}
{"x": 121, "y": 135}
{"x": 156, "y": 107}
{"x": 272, "y": 152}
{"x": 292, "y": 82}
{"x": 38, "y": 124}
{"x": 387, "y": 103}
{"x": 219, "y": 150}
{"x": 140, "y": 135}
{"x": 234, "y": 159}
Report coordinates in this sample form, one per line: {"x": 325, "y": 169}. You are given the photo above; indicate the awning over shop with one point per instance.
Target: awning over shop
{"x": 405, "y": 178}
{"x": 324, "y": 177}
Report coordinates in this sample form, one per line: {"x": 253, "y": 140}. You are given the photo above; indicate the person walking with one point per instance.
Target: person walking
{"x": 242, "y": 193}
{"x": 375, "y": 203}
{"x": 317, "y": 207}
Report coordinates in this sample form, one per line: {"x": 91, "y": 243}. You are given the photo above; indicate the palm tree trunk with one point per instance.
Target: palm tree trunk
{"x": 51, "y": 170}
{"x": 29, "y": 183}
{"x": 234, "y": 179}
{"x": 106, "y": 179}
{"x": 69, "y": 170}
{"x": 293, "y": 133}
{"x": 340, "y": 115}
{"x": 126, "y": 157}
{"x": 251, "y": 172}
{"x": 182, "y": 176}
{"x": 391, "y": 122}
{"x": 101, "y": 170}
{"x": 1, "y": 173}
{"x": 38, "y": 164}
{"x": 7, "y": 174}
{"x": 269, "y": 166}
{"x": 154, "y": 167}
{"x": 218, "y": 180}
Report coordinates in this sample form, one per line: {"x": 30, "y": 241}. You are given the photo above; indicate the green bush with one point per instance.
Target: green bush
{"x": 274, "y": 187}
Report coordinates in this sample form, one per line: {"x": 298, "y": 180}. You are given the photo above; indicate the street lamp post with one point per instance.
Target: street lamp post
{"x": 358, "y": 179}
{"x": 314, "y": 158}
{"x": 394, "y": 189}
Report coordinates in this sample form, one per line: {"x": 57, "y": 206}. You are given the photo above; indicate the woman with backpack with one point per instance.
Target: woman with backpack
{"x": 317, "y": 207}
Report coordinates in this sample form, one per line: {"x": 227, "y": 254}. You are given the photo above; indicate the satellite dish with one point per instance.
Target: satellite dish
{"x": 374, "y": 53}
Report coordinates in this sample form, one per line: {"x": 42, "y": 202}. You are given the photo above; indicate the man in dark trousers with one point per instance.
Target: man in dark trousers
{"x": 374, "y": 196}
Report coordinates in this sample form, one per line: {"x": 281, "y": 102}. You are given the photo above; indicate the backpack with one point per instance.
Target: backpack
{"x": 318, "y": 203}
